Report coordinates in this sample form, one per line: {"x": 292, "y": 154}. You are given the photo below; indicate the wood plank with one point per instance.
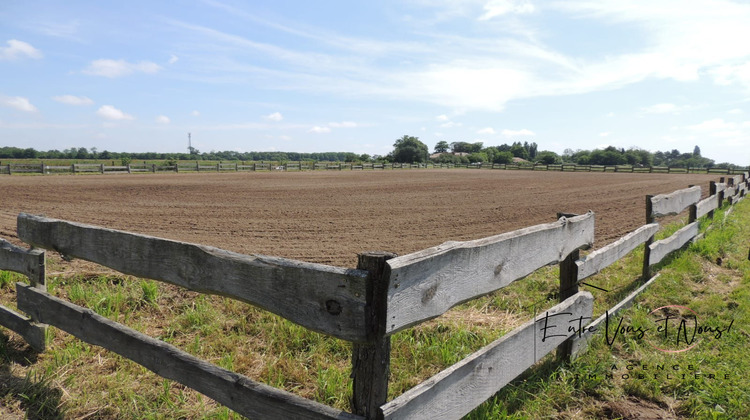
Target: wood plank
{"x": 425, "y": 284}
{"x": 664, "y": 247}
{"x": 327, "y": 299}
{"x": 30, "y": 331}
{"x": 676, "y": 202}
{"x": 730, "y": 192}
{"x": 24, "y": 261}
{"x": 238, "y": 392}
{"x": 580, "y": 342}
{"x": 706, "y": 205}
{"x": 721, "y": 186}
{"x": 606, "y": 256}
{"x": 460, "y": 388}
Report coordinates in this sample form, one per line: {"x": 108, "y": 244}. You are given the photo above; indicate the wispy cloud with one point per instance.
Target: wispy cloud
{"x": 495, "y": 8}
{"x": 487, "y": 130}
{"x": 17, "y": 102}
{"x": 73, "y": 100}
{"x": 662, "y": 109}
{"x": 319, "y": 130}
{"x": 163, "y": 119}
{"x": 276, "y": 116}
{"x": 111, "y": 113}
{"x": 18, "y": 49}
{"x": 119, "y": 68}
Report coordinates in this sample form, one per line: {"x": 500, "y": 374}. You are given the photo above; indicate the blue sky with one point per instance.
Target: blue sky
{"x": 315, "y": 76}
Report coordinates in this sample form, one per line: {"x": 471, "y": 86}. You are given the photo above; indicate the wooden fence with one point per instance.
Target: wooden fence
{"x": 236, "y": 166}
{"x": 383, "y": 295}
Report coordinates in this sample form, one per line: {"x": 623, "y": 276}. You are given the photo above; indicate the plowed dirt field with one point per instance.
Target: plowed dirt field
{"x": 328, "y": 217}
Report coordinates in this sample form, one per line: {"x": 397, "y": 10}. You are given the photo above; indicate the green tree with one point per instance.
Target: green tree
{"x": 519, "y": 151}
{"x": 478, "y": 157}
{"x": 461, "y": 147}
{"x": 546, "y": 157}
{"x": 442, "y": 146}
{"x": 503, "y": 157}
{"x": 409, "y": 149}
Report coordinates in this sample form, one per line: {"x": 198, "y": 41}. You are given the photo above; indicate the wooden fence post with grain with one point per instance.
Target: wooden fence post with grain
{"x": 371, "y": 361}
{"x": 30, "y": 263}
{"x": 568, "y": 288}
{"x": 646, "y": 272}
{"x": 693, "y": 211}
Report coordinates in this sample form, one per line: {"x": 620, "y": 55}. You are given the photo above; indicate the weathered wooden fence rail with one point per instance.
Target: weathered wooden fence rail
{"x": 237, "y": 166}
{"x": 365, "y": 306}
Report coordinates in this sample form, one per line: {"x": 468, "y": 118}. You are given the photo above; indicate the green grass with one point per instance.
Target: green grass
{"x": 75, "y": 380}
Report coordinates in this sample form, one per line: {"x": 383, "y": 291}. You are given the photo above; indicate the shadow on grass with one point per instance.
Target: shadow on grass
{"x": 34, "y": 393}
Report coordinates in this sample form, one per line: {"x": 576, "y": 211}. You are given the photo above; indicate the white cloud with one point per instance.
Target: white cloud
{"x": 495, "y": 8}
{"x": 118, "y": 68}
{"x": 18, "y": 102}
{"x": 111, "y": 113}
{"x": 522, "y": 132}
{"x": 713, "y": 125}
{"x": 195, "y": 113}
{"x": 604, "y": 134}
{"x": 730, "y": 74}
{"x": 661, "y": 109}
{"x": 162, "y": 119}
{"x": 735, "y": 111}
{"x": 173, "y": 59}
{"x": 319, "y": 130}
{"x": 487, "y": 130}
{"x": 73, "y": 100}
{"x": 276, "y": 116}
{"x": 18, "y": 49}
{"x": 442, "y": 117}
{"x": 343, "y": 124}
{"x": 451, "y": 124}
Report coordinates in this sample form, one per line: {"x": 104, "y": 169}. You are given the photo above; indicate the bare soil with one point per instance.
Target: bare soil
{"x": 329, "y": 217}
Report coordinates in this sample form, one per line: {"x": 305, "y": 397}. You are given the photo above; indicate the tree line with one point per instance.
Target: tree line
{"x": 407, "y": 149}
{"x": 82, "y": 153}
{"x": 411, "y": 149}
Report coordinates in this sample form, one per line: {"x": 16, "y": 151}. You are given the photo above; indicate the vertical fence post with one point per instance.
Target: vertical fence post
{"x": 730, "y": 183}
{"x": 692, "y": 211}
{"x": 646, "y": 250}
{"x": 711, "y": 192}
{"x": 371, "y": 362}
{"x": 721, "y": 193}
{"x": 568, "y": 287}
{"x": 101, "y": 168}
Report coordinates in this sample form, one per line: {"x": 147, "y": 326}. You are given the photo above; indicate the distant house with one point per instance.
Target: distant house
{"x": 520, "y": 160}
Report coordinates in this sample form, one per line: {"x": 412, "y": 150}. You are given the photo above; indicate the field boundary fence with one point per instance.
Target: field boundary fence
{"x": 237, "y": 166}
{"x": 365, "y": 306}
